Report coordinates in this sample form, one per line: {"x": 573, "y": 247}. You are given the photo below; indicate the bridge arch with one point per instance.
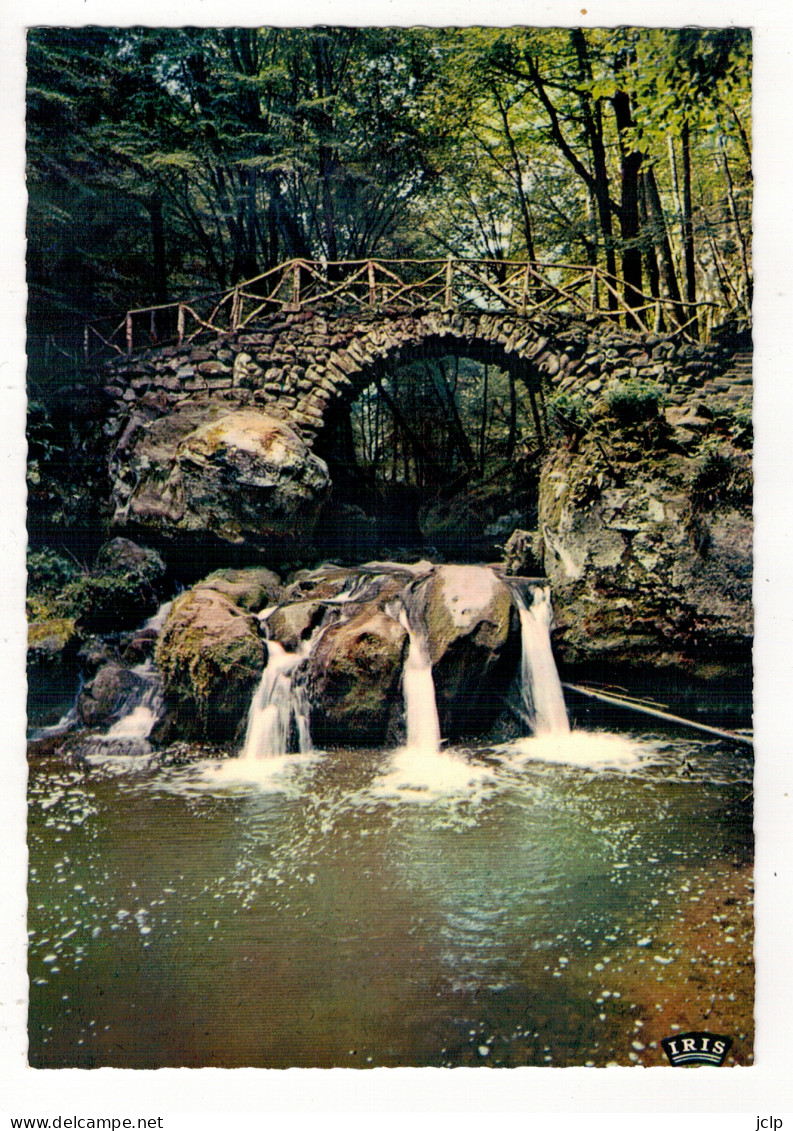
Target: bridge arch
{"x": 296, "y": 375}
{"x": 377, "y": 365}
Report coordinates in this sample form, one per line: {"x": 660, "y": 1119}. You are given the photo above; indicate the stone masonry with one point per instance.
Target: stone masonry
{"x": 296, "y": 366}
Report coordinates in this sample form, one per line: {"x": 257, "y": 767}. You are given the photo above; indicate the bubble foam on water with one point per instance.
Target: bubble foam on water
{"x": 239, "y": 775}
{"x": 595, "y": 750}
{"x": 417, "y": 774}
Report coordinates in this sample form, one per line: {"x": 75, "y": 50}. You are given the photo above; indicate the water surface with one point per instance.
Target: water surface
{"x": 523, "y": 905}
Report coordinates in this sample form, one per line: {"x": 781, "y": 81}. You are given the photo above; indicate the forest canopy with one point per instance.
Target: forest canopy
{"x": 163, "y": 162}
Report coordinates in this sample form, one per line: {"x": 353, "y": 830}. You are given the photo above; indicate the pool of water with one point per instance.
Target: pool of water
{"x": 560, "y": 902}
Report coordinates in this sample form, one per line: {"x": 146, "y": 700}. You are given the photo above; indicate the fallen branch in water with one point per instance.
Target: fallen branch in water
{"x": 632, "y": 705}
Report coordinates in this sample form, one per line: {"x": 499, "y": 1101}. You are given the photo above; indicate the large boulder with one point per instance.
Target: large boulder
{"x": 650, "y": 558}
{"x": 470, "y": 621}
{"x": 211, "y": 657}
{"x": 242, "y": 477}
{"x": 106, "y": 697}
{"x": 354, "y": 678}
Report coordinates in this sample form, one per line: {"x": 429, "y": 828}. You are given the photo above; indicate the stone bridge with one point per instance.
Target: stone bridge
{"x": 301, "y": 369}
{"x": 298, "y": 366}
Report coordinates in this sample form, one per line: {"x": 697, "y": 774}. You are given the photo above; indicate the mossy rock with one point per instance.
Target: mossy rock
{"x": 250, "y": 589}
{"x": 109, "y": 602}
{"x": 211, "y": 656}
{"x": 121, "y": 556}
{"x": 126, "y": 585}
{"x": 52, "y": 638}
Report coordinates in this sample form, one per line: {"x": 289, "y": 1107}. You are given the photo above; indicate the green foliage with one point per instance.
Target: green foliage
{"x": 108, "y": 602}
{"x": 162, "y": 161}
{"x": 48, "y": 571}
{"x": 568, "y": 413}
{"x": 634, "y": 402}
{"x": 107, "y": 599}
{"x": 66, "y": 477}
{"x": 720, "y": 477}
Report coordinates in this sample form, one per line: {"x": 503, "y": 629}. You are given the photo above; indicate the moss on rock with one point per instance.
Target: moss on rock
{"x": 211, "y": 656}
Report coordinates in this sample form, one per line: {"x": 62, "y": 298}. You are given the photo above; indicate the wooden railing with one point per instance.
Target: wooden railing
{"x": 411, "y": 285}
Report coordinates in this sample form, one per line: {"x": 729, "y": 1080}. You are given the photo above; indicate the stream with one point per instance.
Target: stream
{"x": 569, "y": 899}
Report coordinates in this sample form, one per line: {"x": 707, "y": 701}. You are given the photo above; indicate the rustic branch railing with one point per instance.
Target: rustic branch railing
{"x": 410, "y": 285}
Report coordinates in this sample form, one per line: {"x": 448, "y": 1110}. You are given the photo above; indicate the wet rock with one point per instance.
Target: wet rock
{"x": 291, "y": 624}
{"x": 211, "y": 656}
{"x": 93, "y": 654}
{"x": 103, "y": 700}
{"x": 323, "y": 582}
{"x": 470, "y": 622}
{"x": 139, "y": 646}
{"x": 354, "y": 678}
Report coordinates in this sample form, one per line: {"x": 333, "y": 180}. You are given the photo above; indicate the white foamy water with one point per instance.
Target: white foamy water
{"x": 157, "y": 621}
{"x": 421, "y": 709}
{"x": 424, "y": 775}
{"x": 144, "y": 713}
{"x": 590, "y": 750}
{"x": 273, "y": 707}
{"x": 541, "y": 691}
{"x": 276, "y": 774}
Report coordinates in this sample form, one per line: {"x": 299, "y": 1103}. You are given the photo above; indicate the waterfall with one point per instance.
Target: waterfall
{"x": 418, "y": 689}
{"x": 541, "y": 691}
{"x": 275, "y": 704}
{"x": 65, "y": 723}
{"x": 144, "y": 707}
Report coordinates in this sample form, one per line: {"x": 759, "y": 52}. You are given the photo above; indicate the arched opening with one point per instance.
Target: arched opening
{"x": 435, "y": 450}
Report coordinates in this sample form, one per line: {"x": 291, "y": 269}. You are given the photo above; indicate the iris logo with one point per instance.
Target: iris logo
{"x": 696, "y": 1048}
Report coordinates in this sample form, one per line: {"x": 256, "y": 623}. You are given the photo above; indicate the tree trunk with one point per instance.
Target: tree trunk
{"x": 483, "y": 425}
{"x": 670, "y": 288}
{"x": 650, "y": 257}
{"x": 513, "y": 416}
{"x": 747, "y": 275}
{"x": 630, "y": 168}
{"x": 159, "y": 269}
{"x": 688, "y": 229}
{"x": 593, "y": 127}
{"x": 524, "y": 204}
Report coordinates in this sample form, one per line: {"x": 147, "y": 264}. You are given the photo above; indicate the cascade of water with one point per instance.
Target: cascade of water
{"x": 158, "y": 619}
{"x": 275, "y": 704}
{"x": 418, "y": 689}
{"x": 145, "y": 706}
{"x": 65, "y": 723}
{"x": 541, "y": 691}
